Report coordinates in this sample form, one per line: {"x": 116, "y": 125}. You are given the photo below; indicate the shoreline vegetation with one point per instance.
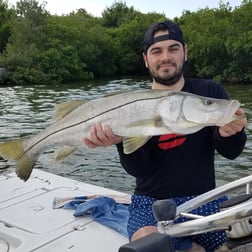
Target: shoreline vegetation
{"x": 39, "y": 48}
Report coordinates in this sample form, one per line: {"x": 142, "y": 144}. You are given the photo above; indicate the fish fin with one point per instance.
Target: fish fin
{"x": 131, "y": 144}
{"x": 64, "y": 108}
{"x": 64, "y": 152}
{"x": 14, "y": 150}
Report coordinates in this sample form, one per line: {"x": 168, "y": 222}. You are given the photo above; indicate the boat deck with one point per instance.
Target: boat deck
{"x": 29, "y": 223}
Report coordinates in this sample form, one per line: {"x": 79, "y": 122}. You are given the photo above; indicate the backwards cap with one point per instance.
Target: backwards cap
{"x": 175, "y": 33}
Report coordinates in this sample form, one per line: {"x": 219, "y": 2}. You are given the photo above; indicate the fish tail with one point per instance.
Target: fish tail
{"x": 14, "y": 150}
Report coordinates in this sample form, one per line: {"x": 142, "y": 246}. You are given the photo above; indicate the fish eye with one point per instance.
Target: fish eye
{"x": 208, "y": 102}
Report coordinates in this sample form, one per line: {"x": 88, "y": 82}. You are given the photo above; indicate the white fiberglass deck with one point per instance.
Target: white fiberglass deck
{"x": 28, "y": 222}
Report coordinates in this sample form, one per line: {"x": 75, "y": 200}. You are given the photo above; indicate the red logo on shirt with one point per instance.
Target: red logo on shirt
{"x": 170, "y": 141}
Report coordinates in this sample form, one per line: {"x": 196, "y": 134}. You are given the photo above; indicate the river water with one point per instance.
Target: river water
{"x": 27, "y": 110}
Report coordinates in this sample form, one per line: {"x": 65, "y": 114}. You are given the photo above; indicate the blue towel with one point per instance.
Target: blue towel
{"x": 104, "y": 210}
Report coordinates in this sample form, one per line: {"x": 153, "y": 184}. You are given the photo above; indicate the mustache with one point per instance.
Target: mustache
{"x": 166, "y": 62}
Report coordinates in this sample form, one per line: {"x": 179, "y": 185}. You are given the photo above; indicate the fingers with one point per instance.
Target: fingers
{"x": 235, "y": 126}
{"x": 101, "y": 136}
{"x": 89, "y": 143}
{"x": 229, "y": 130}
{"x": 239, "y": 112}
{"x": 108, "y": 132}
{"x": 98, "y": 136}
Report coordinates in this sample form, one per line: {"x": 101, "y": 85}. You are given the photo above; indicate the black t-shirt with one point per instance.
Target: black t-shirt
{"x": 182, "y": 165}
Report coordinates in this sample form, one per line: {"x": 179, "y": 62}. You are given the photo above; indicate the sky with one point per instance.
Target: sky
{"x": 171, "y": 8}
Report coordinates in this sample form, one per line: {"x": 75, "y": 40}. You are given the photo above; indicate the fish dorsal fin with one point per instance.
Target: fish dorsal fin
{"x": 118, "y": 92}
{"x": 64, "y": 108}
{"x": 131, "y": 144}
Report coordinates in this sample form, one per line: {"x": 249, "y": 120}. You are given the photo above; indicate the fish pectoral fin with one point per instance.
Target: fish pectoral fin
{"x": 64, "y": 108}
{"x": 131, "y": 144}
{"x": 64, "y": 152}
{"x": 14, "y": 150}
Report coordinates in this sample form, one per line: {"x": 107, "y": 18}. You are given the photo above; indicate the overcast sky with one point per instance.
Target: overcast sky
{"x": 171, "y": 8}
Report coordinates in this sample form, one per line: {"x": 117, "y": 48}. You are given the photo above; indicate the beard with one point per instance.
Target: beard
{"x": 169, "y": 79}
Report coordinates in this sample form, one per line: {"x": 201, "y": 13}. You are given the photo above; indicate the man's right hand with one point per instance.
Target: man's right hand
{"x": 101, "y": 136}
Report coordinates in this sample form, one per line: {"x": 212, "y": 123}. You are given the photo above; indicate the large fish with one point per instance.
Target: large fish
{"x": 135, "y": 115}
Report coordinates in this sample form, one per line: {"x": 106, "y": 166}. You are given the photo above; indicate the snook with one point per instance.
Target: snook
{"x": 135, "y": 115}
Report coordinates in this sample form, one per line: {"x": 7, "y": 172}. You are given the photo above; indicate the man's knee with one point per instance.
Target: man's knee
{"x": 143, "y": 231}
{"x": 196, "y": 248}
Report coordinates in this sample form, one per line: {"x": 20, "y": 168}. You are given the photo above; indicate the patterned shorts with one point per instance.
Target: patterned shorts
{"x": 140, "y": 215}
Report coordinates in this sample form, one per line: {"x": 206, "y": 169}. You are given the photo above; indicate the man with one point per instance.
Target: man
{"x": 178, "y": 167}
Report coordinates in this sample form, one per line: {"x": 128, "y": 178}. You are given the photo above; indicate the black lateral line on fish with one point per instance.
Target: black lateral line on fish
{"x": 73, "y": 125}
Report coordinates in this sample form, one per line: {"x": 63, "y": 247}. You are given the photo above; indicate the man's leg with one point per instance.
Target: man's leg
{"x": 142, "y": 222}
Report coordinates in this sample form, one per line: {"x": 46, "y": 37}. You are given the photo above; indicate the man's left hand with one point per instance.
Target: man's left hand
{"x": 235, "y": 126}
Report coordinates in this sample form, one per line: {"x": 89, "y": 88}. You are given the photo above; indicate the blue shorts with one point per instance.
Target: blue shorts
{"x": 140, "y": 215}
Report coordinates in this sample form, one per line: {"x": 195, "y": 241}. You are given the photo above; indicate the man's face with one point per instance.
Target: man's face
{"x": 165, "y": 60}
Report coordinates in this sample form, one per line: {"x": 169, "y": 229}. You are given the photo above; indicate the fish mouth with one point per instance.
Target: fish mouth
{"x": 230, "y": 112}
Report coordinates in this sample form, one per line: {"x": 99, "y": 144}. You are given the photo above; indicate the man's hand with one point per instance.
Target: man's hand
{"x": 101, "y": 136}
{"x": 235, "y": 126}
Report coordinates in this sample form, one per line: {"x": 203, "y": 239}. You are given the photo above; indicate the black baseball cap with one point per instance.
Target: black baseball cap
{"x": 175, "y": 33}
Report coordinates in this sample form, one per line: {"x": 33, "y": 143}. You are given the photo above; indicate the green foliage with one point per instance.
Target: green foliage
{"x": 37, "y": 47}
{"x": 27, "y": 36}
{"x": 60, "y": 59}
{"x": 205, "y": 37}
{"x": 239, "y": 45}
{"x": 219, "y": 42}
{"x": 116, "y": 15}
{"x": 128, "y": 40}
{"x": 6, "y": 17}
{"x": 38, "y": 50}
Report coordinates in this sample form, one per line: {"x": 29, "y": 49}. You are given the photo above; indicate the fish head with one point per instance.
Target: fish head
{"x": 185, "y": 113}
{"x": 209, "y": 111}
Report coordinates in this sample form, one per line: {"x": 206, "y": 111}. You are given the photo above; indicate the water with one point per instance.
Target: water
{"x": 27, "y": 110}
